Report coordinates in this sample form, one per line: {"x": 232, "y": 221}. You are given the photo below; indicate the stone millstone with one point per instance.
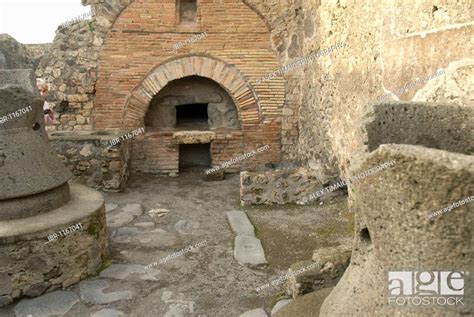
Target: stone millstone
{"x": 35, "y": 204}
{"x": 17, "y": 78}
{"x": 395, "y": 233}
{"x": 279, "y": 305}
{"x": 28, "y": 164}
{"x": 14, "y": 55}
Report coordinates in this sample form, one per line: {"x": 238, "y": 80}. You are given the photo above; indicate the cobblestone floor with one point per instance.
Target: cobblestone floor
{"x": 156, "y": 217}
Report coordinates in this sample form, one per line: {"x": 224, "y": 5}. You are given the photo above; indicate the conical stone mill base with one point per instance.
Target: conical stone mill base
{"x": 52, "y": 234}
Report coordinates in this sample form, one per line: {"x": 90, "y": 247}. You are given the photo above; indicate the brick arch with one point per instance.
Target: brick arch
{"x": 226, "y": 75}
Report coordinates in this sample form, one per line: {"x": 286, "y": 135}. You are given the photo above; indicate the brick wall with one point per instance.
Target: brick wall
{"x": 138, "y": 60}
{"x": 156, "y": 152}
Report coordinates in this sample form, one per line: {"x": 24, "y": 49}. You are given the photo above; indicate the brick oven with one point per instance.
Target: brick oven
{"x": 199, "y": 98}
{"x": 201, "y": 110}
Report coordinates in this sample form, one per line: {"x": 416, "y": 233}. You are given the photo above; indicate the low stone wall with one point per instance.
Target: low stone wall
{"x": 31, "y": 265}
{"x": 90, "y": 159}
{"x": 280, "y": 186}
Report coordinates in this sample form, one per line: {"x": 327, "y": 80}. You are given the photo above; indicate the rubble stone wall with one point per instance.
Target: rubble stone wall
{"x": 93, "y": 161}
{"x": 293, "y": 185}
{"x": 70, "y": 69}
{"x": 33, "y": 263}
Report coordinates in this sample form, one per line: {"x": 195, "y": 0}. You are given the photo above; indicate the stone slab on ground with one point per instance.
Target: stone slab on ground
{"x": 259, "y": 312}
{"x": 108, "y": 312}
{"x": 186, "y": 226}
{"x": 92, "y": 293}
{"x": 119, "y": 217}
{"x": 55, "y": 303}
{"x": 240, "y": 223}
{"x": 178, "y": 305}
{"x": 110, "y": 207}
{"x": 151, "y": 239}
{"x": 145, "y": 224}
{"x": 129, "y": 272}
{"x": 136, "y": 209}
{"x": 248, "y": 251}
{"x": 132, "y": 231}
{"x": 279, "y": 305}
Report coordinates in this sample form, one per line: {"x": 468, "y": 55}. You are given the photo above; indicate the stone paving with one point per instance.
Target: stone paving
{"x": 157, "y": 217}
{"x": 248, "y": 249}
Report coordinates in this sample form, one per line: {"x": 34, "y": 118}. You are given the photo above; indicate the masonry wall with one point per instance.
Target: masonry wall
{"x": 387, "y": 52}
{"x": 157, "y": 152}
{"x": 93, "y": 162}
{"x": 382, "y": 54}
{"x": 284, "y": 18}
{"x": 71, "y": 66}
{"x": 70, "y": 69}
{"x": 143, "y": 37}
{"x": 139, "y": 59}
